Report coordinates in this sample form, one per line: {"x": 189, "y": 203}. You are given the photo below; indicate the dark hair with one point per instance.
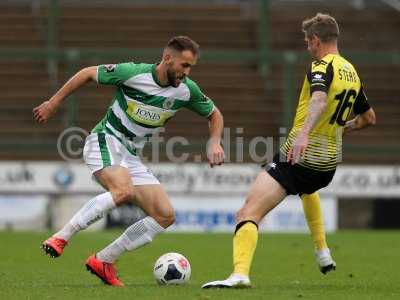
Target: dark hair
{"x": 182, "y": 43}
{"x": 323, "y": 26}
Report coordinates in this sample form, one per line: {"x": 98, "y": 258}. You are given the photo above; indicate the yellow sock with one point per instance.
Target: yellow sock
{"x": 312, "y": 211}
{"x": 244, "y": 245}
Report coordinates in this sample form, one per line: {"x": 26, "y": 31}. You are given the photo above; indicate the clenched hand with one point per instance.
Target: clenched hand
{"x": 215, "y": 154}
{"x": 44, "y": 111}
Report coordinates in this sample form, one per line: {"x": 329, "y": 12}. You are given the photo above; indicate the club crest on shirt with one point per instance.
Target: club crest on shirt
{"x": 168, "y": 103}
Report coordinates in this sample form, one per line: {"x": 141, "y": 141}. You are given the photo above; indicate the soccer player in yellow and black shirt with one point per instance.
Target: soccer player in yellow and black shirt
{"x": 332, "y": 90}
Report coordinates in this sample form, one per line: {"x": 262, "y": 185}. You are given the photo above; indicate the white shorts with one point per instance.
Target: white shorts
{"x": 102, "y": 150}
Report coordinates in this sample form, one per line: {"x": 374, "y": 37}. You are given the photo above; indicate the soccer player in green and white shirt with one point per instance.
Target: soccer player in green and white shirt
{"x": 147, "y": 96}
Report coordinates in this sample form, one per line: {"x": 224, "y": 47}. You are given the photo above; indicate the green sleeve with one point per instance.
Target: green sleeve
{"x": 115, "y": 74}
{"x": 199, "y": 103}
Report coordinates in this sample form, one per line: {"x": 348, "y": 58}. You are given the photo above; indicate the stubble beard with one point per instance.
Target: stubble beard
{"x": 172, "y": 80}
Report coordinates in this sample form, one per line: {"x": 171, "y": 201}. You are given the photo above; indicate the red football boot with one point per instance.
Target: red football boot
{"x": 54, "y": 247}
{"x": 105, "y": 271}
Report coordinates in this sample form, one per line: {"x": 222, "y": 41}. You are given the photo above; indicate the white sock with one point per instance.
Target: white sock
{"x": 135, "y": 236}
{"x": 91, "y": 212}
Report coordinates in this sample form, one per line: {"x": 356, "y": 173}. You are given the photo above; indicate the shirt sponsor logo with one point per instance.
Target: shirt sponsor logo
{"x": 146, "y": 115}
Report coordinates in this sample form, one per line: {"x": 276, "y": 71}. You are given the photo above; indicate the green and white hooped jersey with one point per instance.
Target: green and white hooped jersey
{"x": 141, "y": 105}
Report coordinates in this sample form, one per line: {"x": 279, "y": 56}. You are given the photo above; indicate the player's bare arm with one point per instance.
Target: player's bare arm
{"x": 215, "y": 152}
{"x": 361, "y": 121}
{"x": 317, "y": 107}
{"x": 47, "y": 109}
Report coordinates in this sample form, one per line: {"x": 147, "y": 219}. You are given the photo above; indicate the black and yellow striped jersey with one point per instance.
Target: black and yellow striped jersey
{"x": 337, "y": 77}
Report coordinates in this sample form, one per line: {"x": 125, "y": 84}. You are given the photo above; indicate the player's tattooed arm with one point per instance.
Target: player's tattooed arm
{"x": 317, "y": 106}
{"x": 47, "y": 109}
{"x": 361, "y": 121}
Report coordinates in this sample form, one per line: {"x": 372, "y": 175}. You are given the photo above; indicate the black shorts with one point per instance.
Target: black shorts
{"x": 296, "y": 179}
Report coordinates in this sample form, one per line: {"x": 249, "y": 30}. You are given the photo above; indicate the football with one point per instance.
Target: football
{"x": 172, "y": 268}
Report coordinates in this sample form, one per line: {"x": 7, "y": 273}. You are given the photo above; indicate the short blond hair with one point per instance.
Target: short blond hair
{"x": 323, "y": 26}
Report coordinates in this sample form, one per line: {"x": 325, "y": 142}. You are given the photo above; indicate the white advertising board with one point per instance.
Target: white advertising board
{"x": 229, "y": 179}
{"x": 23, "y": 212}
{"x": 365, "y": 181}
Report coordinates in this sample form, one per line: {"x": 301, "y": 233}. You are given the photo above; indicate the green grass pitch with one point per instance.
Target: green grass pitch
{"x": 284, "y": 267}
